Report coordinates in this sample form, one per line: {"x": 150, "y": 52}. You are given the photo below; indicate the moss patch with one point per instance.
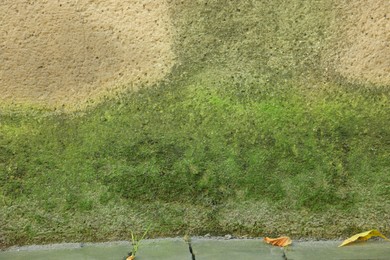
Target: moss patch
{"x": 248, "y": 135}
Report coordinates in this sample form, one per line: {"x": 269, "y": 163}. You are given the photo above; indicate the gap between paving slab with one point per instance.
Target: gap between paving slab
{"x": 204, "y": 249}
{"x": 161, "y": 249}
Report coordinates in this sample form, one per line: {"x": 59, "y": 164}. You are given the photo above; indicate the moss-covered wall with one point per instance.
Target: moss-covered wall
{"x": 333, "y": 39}
{"x": 265, "y": 118}
{"x": 69, "y": 52}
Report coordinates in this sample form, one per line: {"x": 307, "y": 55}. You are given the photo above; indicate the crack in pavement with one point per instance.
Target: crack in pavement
{"x": 191, "y": 251}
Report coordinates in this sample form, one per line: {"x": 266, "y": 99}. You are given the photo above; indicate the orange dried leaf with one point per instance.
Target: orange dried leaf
{"x": 130, "y": 257}
{"x": 280, "y": 241}
{"x": 363, "y": 237}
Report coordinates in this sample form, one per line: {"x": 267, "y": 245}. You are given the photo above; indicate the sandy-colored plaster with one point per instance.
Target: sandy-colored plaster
{"x": 66, "y": 52}
{"x": 62, "y": 53}
{"x": 363, "y": 54}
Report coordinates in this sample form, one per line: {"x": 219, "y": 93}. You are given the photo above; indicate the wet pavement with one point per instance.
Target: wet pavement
{"x": 204, "y": 249}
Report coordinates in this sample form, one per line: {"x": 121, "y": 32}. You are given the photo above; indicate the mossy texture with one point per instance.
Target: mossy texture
{"x": 248, "y": 135}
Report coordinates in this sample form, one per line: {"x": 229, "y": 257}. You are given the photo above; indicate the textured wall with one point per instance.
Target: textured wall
{"x": 64, "y": 52}
{"x": 364, "y": 55}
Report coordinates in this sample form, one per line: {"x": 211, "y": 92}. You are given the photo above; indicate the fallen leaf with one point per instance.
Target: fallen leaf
{"x": 280, "y": 241}
{"x": 363, "y": 237}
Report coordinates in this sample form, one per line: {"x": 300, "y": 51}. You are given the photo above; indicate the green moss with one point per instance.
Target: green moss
{"x": 254, "y": 37}
{"x": 234, "y": 135}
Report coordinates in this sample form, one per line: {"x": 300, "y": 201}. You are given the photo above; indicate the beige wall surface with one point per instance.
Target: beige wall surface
{"x": 364, "y": 54}
{"x": 60, "y": 52}
{"x": 64, "y": 52}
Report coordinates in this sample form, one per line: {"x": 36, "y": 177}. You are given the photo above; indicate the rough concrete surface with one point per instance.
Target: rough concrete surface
{"x": 364, "y": 53}
{"x": 205, "y": 249}
{"x": 63, "y": 52}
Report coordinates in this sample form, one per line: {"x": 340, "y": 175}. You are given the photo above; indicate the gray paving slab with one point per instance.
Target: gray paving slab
{"x": 175, "y": 249}
{"x": 172, "y": 249}
{"x": 68, "y": 252}
{"x": 205, "y": 249}
{"x": 248, "y": 249}
{"x": 329, "y": 250}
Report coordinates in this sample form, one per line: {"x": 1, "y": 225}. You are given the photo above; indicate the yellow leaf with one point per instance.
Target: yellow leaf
{"x": 280, "y": 241}
{"x": 363, "y": 237}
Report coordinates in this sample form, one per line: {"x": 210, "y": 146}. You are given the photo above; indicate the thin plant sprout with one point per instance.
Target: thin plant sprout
{"x": 136, "y": 242}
